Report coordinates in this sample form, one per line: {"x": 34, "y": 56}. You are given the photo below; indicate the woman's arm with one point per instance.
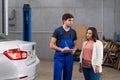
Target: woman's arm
{"x": 99, "y": 58}
{"x": 99, "y": 53}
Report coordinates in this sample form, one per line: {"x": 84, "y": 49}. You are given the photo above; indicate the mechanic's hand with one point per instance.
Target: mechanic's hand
{"x": 65, "y": 48}
{"x": 73, "y": 52}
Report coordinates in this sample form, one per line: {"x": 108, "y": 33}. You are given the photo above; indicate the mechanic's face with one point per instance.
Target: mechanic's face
{"x": 89, "y": 34}
{"x": 69, "y": 22}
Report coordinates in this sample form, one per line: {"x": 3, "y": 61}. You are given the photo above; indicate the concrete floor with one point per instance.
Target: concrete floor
{"x": 45, "y": 72}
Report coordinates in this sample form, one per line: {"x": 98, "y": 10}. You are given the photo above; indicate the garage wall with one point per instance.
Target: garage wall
{"x": 46, "y": 16}
{"x": 117, "y": 17}
{"x": 108, "y": 18}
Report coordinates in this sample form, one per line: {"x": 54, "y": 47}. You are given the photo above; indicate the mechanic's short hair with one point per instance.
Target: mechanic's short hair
{"x": 67, "y": 16}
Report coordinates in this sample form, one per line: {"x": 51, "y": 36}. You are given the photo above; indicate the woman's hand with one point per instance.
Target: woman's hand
{"x": 97, "y": 68}
{"x": 80, "y": 68}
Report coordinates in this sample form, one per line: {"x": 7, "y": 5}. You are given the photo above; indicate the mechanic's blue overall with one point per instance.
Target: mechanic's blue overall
{"x": 63, "y": 61}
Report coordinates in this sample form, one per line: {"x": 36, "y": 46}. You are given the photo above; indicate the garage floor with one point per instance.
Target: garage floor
{"x": 45, "y": 72}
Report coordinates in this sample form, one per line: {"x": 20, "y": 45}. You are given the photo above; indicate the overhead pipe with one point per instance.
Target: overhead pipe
{"x": 5, "y": 17}
{"x": 2, "y": 16}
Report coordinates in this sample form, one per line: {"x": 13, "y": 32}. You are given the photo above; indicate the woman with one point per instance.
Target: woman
{"x": 91, "y": 56}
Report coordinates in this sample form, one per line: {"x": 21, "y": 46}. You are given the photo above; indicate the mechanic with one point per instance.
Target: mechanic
{"x": 64, "y": 38}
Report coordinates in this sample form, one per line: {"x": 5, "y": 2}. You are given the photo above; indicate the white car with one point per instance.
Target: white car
{"x": 18, "y": 60}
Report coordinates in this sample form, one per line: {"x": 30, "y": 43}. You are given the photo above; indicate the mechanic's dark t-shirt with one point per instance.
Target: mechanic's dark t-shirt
{"x": 66, "y": 34}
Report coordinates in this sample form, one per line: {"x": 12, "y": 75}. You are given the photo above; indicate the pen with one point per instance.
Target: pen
{"x": 66, "y": 44}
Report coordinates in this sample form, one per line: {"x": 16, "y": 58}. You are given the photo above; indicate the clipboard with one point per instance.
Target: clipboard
{"x": 68, "y": 51}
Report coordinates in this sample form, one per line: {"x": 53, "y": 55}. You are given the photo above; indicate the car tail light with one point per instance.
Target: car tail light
{"x": 15, "y": 54}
